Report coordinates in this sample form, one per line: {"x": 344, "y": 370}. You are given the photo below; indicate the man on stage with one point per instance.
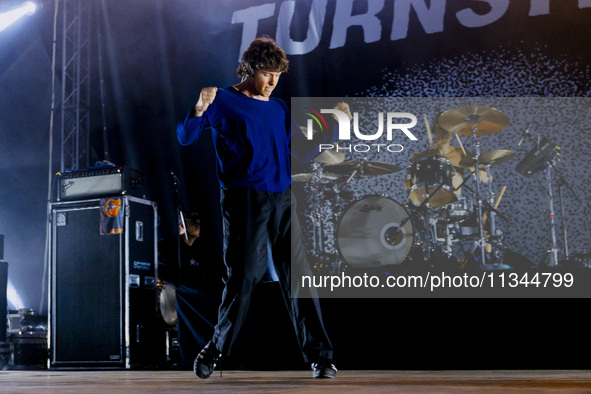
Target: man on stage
{"x": 251, "y": 134}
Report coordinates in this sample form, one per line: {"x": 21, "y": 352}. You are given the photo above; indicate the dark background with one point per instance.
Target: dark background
{"x": 158, "y": 55}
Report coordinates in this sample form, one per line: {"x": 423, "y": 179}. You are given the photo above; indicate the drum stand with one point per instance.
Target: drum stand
{"x": 549, "y": 165}
{"x": 460, "y": 120}
{"x": 430, "y": 238}
{"x": 430, "y": 226}
{"x": 550, "y": 157}
{"x": 561, "y": 183}
{"x": 492, "y": 213}
{"x": 479, "y": 243}
{"x": 554, "y": 262}
{"x": 494, "y": 236}
{"x": 316, "y": 215}
{"x": 318, "y": 224}
{"x": 554, "y": 251}
{"x": 336, "y": 264}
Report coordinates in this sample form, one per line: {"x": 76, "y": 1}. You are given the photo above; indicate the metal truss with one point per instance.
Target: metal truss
{"x": 75, "y": 80}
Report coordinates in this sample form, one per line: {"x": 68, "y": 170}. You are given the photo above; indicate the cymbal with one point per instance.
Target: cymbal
{"x": 323, "y": 177}
{"x": 363, "y": 168}
{"x": 461, "y": 120}
{"x": 492, "y": 157}
{"x": 330, "y": 156}
{"x": 167, "y": 301}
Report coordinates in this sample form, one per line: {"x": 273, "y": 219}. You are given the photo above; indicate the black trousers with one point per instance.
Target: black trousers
{"x": 251, "y": 219}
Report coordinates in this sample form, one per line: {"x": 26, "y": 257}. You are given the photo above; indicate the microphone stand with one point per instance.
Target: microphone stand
{"x": 179, "y": 213}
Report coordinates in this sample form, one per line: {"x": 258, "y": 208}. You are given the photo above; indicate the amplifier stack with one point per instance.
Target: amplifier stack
{"x": 102, "y": 294}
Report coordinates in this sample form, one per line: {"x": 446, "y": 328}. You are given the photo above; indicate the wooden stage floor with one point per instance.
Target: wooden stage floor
{"x": 56, "y": 381}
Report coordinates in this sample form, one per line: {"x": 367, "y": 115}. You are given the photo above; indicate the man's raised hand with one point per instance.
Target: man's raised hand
{"x": 205, "y": 99}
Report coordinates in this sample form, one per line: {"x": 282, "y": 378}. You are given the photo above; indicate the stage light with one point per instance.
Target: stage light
{"x": 9, "y": 17}
{"x": 13, "y": 297}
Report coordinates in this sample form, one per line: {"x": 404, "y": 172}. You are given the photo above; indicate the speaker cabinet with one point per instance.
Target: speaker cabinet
{"x": 102, "y": 290}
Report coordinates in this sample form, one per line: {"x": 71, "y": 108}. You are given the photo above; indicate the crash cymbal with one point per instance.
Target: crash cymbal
{"x": 461, "y": 120}
{"x": 330, "y": 156}
{"x": 363, "y": 168}
{"x": 492, "y": 157}
{"x": 323, "y": 177}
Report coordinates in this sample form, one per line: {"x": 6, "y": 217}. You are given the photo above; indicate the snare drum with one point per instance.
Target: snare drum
{"x": 429, "y": 174}
{"x": 375, "y": 231}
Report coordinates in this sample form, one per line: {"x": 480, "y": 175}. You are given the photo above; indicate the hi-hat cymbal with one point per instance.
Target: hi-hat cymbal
{"x": 461, "y": 120}
{"x": 323, "y": 177}
{"x": 363, "y": 168}
{"x": 489, "y": 158}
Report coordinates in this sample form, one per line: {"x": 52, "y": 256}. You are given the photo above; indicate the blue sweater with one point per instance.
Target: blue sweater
{"x": 251, "y": 139}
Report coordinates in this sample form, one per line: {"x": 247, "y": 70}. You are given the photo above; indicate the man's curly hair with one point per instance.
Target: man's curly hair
{"x": 262, "y": 54}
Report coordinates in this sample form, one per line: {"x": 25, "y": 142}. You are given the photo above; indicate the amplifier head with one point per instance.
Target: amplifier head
{"x": 85, "y": 184}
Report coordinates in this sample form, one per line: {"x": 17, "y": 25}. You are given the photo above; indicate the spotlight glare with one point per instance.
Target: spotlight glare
{"x": 13, "y": 297}
{"x": 30, "y": 7}
{"x": 9, "y": 17}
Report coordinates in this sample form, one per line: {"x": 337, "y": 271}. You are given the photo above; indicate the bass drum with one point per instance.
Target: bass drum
{"x": 375, "y": 231}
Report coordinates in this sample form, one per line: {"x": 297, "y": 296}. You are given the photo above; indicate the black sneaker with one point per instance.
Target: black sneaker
{"x": 206, "y": 361}
{"x": 324, "y": 369}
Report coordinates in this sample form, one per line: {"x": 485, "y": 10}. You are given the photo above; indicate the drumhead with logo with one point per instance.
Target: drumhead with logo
{"x": 375, "y": 231}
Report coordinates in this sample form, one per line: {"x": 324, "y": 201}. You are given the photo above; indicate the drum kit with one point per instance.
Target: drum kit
{"x": 376, "y": 231}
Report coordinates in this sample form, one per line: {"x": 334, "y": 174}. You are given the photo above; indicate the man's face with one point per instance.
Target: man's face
{"x": 265, "y": 81}
{"x": 193, "y": 227}
{"x": 442, "y": 136}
